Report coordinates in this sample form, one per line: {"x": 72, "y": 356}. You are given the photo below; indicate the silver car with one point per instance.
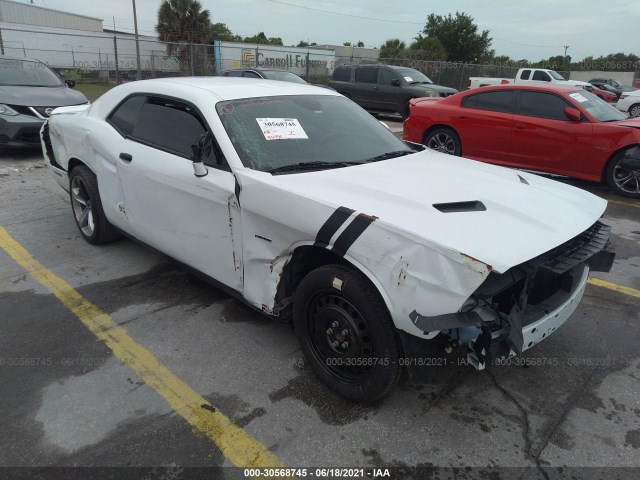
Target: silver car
{"x": 29, "y": 91}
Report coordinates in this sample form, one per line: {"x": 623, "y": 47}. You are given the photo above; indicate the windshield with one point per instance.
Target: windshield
{"x": 328, "y": 130}
{"x": 283, "y": 76}
{"x": 598, "y": 108}
{"x": 556, "y": 75}
{"x": 27, "y": 73}
{"x": 413, "y": 76}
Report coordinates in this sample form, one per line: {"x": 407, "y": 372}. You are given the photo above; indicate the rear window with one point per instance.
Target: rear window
{"x": 500, "y": 101}
{"x": 367, "y": 74}
{"x": 342, "y": 74}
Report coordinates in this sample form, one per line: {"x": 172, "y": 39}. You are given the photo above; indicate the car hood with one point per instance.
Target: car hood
{"x": 576, "y": 83}
{"x": 526, "y": 215}
{"x": 40, "y": 96}
{"x": 438, "y": 88}
{"x": 630, "y": 122}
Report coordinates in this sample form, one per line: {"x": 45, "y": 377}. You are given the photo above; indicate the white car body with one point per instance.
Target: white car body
{"x": 549, "y": 75}
{"x": 242, "y": 227}
{"x": 629, "y": 102}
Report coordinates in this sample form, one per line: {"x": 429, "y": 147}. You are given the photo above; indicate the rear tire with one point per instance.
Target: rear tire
{"x": 346, "y": 333}
{"x": 634, "y": 110}
{"x": 87, "y": 207}
{"x": 444, "y": 140}
{"x": 623, "y": 175}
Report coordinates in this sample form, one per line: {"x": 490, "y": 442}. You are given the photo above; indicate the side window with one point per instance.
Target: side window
{"x": 367, "y": 74}
{"x": 542, "y": 105}
{"x": 251, "y": 75}
{"x": 168, "y": 125}
{"x": 525, "y": 74}
{"x": 342, "y": 74}
{"x": 385, "y": 76}
{"x": 540, "y": 75}
{"x": 125, "y": 116}
{"x": 499, "y": 101}
{"x": 233, "y": 73}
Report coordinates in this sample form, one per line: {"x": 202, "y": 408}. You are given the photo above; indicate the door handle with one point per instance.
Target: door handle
{"x": 521, "y": 127}
{"x": 126, "y": 157}
{"x": 376, "y": 88}
{"x": 463, "y": 117}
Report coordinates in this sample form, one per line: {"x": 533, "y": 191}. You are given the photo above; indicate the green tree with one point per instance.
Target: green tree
{"x": 220, "y": 31}
{"x": 426, "y": 48}
{"x": 261, "y": 39}
{"x": 459, "y": 36}
{"x": 183, "y": 21}
{"x": 392, "y": 49}
{"x": 360, "y": 44}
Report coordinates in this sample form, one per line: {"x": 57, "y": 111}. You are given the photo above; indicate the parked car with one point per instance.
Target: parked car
{"x": 608, "y": 97}
{"x": 296, "y": 201}
{"x": 552, "y": 129}
{"x": 269, "y": 74}
{"x": 630, "y": 102}
{"x": 29, "y": 90}
{"x": 611, "y": 85}
{"x": 539, "y": 76}
{"x": 384, "y": 88}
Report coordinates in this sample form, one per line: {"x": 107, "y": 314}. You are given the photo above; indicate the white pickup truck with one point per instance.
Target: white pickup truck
{"x": 526, "y": 75}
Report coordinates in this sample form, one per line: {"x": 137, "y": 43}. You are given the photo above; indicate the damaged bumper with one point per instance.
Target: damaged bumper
{"x": 511, "y": 312}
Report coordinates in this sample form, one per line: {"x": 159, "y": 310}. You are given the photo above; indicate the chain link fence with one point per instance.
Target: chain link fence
{"x": 99, "y": 61}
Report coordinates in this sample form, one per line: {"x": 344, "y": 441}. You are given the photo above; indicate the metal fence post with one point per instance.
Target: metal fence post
{"x": 256, "y": 59}
{"x": 1, "y": 43}
{"x": 306, "y": 63}
{"x": 115, "y": 52}
{"x": 193, "y": 68}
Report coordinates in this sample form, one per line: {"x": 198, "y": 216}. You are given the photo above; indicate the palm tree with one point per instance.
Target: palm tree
{"x": 183, "y": 21}
{"x": 392, "y": 49}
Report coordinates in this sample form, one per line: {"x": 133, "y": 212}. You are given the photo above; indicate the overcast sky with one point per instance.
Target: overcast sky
{"x": 532, "y": 29}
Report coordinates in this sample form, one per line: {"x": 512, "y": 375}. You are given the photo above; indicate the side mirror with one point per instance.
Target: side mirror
{"x": 70, "y": 83}
{"x": 202, "y": 149}
{"x": 395, "y": 82}
{"x": 572, "y": 114}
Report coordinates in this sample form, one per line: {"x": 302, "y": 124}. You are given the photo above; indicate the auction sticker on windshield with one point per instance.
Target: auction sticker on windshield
{"x": 281, "y": 128}
{"x": 578, "y": 97}
{"x": 408, "y": 79}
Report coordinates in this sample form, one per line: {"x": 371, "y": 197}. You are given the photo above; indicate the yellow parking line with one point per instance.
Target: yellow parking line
{"x": 621, "y": 202}
{"x": 233, "y": 441}
{"x": 612, "y": 286}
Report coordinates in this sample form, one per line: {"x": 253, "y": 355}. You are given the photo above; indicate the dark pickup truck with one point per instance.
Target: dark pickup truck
{"x": 385, "y": 88}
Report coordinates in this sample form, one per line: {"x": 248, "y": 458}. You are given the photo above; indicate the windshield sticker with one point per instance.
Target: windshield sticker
{"x": 578, "y": 97}
{"x": 408, "y": 79}
{"x": 228, "y": 109}
{"x": 281, "y": 128}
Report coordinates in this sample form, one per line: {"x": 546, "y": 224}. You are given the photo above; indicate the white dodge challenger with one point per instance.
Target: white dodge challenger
{"x": 383, "y": 254}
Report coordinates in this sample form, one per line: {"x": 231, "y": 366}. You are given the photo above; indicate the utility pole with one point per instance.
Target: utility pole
{"x": 135, "y": 26}
{"x": 568, "y": 66}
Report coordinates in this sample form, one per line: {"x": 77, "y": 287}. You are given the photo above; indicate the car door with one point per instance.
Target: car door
{"x": 483, "y": 123}
{"x": 365, "y": 91}
{"x": 545, "y": 139}
{"x": 192, "y": 219}
{"x": 387, "y": 96}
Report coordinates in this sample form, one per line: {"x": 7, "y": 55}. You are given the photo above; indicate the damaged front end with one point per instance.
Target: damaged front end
{"x": 512, "y": 311}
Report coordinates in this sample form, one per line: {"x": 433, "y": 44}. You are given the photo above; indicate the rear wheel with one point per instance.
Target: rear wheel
{"x": 634, "y": 111}
{"x": 87, "y": 207}
{"x": 623, "y": 175}
{"x": 346, "y": 333}
{"x": 444, "y": 140}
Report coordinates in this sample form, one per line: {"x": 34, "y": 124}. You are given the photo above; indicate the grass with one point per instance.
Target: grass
{"x": 93, "y": 90}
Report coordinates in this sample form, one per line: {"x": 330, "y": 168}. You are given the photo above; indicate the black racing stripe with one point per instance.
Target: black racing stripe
{"x": 351, "y": 233}
{"x": 331, "y": 226}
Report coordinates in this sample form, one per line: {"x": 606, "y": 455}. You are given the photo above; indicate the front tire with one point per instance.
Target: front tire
{"x": 346, "y": 333}
{"x": 623, "y": 175}
{"x": 87, "y": 207}
{"x": 444, "y": 140}
{"x": 634, "y": 111}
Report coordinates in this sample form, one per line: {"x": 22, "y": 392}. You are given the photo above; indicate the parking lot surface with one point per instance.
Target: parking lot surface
{"x": 74, "y": 396}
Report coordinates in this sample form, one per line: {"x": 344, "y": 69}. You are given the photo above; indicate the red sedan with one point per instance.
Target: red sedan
{"x": 554, "y": 129}
{"x": 603, "y": 94}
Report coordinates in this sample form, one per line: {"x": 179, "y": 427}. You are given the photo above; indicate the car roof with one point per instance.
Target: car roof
{"x": 232, "y": 88}
{"x": 22, "y": 59}
{"x": 527, "y": 86}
